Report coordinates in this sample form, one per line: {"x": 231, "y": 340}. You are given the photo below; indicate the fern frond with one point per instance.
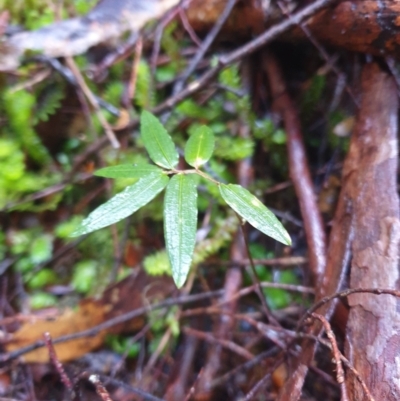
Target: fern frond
{"x": 48, "y": 102}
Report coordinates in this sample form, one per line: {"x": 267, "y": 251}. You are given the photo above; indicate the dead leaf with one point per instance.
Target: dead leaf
{"x": 131, "y": 293}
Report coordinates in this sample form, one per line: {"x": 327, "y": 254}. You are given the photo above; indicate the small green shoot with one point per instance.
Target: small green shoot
{"x": 180, "y": 202}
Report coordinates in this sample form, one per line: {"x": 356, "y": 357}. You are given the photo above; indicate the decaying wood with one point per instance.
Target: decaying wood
{"x": 373, "y": 330}
{"x": 105, "y": 23}
{"x": 367, "y": 26}
{"x": 246, "y": 20}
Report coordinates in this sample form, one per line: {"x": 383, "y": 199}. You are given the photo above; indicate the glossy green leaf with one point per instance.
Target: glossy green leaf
{"x": 128, "y": 171}
{"x": 122, "y": 205}
{"x": 180, "y": 223}
{"x": 200, "y": 147}
{"x": 251, "y": 209}
{"x": 157, "y": 141}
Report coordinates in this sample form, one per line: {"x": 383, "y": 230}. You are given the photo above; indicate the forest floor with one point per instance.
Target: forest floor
{"x": 305, "y": 120}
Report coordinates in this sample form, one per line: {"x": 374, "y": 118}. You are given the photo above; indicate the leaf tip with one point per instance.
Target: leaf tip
{"x": 288, "y": 240}
{"x": 179, "y": 281}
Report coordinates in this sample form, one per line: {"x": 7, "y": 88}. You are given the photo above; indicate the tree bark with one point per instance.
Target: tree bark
{"x": 373, "y": 330}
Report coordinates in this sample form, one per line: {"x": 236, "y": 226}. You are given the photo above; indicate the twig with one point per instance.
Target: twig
{"x": 244, "y": 367}
{"x": 321, "y": 50}
{"x": 134, "y": 71}
{"x": 267, "y": 37}
{"x": 47, "y": 191}
{"x": 56, "y": 362}
{"x": 287, "y": 287}
{"x": 183, "y": 366}
{"x": 204, "y": 46}
{"x": 353, "y": 370}
{"x": 118, "y": 383}
{"x": 140, "y": 311}
{"x": 158, "y": 36}
{"x": 188, "y": 27}
{"x": 131, "y": 341}
{"x": 31, "y": 82}
{"x": 336, "y": 354}
{"x": 345, "y": 294}
{"x": 100, "y": 389}
{"x": 282, "y": 262}
{"x": 93, "y": 101}
{"x": 256, "y": 388}
{"x": 165, "y": 340}
{"x": 67, "y": 74}
{"x": 237, "y": 349}
{"x": 192, "y": 389}
{"x": 299, "y": 171}
{"x": 345, "y": 361}
{"x": 267, "y": 311}
{"x": 120, "y": 53}
{"x": 112, "y": 322}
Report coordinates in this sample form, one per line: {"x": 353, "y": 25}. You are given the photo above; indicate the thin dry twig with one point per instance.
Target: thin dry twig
{"x": 205, "y": 45}
{"x": 56, "y": 362}
{"x": 263, "y": 381}
{"x": 284, "y": 261}
{"x": 354, "y": 371}
{"x": 345, "y": 294}
{"x": 344, "y": 360}
{"x": 118, "y": 383}
{"x": 209, "y": 337}
{"x": 100, "y": 389}
{"x": 158, "y": 36}
{"x": 321, "y": 50}
{"x": 188, "y": 27}
{"x": 244, "y": 367}
{"x": 53, "y": 189}
{"x": 165, "y": 340}
{"x": 140, "y": 311}
{"x": 267, "y": 311}
{"x": 93, "y": 101}
{"x": 299, "y": 171}
{"x": 119, "y": 54}
{"x": 135, "y": 68}
{"x": 249, "y": 48}
{"x": 112, "y": 322}
{"x": 336, "y": 354}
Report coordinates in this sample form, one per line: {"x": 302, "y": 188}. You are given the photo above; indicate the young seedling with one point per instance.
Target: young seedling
{"x": 180, "y": 201}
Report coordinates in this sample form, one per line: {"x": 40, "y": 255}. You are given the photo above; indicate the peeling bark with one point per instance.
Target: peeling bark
{"x": 373, "y": 330}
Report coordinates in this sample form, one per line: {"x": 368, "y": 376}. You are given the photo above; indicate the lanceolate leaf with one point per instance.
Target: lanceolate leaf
{"x": 157, "y": 141}
{"x": 128, "y": 171}
{"x": 200, "y": 147}
{"x": 124, "y": 204}
{"x": 180, "y": 223}
{"x": 251, "y": 209}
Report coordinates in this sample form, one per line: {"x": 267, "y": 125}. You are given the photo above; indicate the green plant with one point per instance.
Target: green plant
{"x": 180, "y": 202}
